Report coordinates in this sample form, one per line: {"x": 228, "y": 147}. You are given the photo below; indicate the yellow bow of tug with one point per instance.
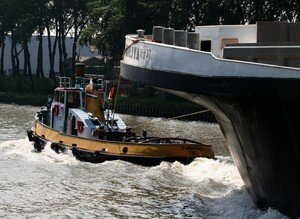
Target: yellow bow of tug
{"x": 76, "y": 121}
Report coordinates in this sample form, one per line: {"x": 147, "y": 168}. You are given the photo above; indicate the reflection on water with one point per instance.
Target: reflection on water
{"x": 48, "y": 185}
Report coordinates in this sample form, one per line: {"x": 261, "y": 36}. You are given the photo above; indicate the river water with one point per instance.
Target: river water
{"x": 50, "y": 185}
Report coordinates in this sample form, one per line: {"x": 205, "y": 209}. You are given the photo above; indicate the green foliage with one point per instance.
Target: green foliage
{"x": 106, "y": 22}
{"x": 25, "y": 84}
{"x": 111, "y": 20}
{"x": 24, "y": 99}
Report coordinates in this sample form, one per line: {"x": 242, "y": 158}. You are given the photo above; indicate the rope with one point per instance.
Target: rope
{"x": 175, "y": 117}
{"x": 119, "y": 79}
{"x": 144, "y": 124}
{"x": 133, "y": 42}
{"x": 189, "y": 114}
{"x": 115, "y": 102}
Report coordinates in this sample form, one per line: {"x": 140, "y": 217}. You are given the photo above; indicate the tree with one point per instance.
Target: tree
{"x": 289, "y": 10}
{"x": 80, "y": 18}
{"x": 111, "y": 20}
{"x": 20, "y": 18}
{"x": 43, "y": 20}
{"x": 51, "y": 24}
{"x": 62, "y": 17}
{"x": 3, "y": 32}
{"x": 231, "y": 12}
{"x": 26, "y": 25}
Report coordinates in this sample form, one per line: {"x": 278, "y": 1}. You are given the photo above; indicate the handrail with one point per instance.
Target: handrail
{"x": 157, "y": 139}
{"x": 173, "y": 139}
{"x": 64, "y": 81}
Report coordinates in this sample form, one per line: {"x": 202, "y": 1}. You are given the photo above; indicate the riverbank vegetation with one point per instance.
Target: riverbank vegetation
{"x": 20, "y": 89}
{"x": 181, "y": 109}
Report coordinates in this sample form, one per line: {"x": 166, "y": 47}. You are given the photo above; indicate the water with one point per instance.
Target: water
{"x": 50, "y": 185}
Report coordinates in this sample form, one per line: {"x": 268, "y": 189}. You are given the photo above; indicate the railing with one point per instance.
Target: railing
{"x": 64, "y": 81}
{"x": 156, "y": 140}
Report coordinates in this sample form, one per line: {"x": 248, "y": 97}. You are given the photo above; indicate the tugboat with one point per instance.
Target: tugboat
{"x": 76, "y": 120}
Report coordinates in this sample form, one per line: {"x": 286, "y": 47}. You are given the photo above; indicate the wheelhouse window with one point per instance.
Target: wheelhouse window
{"x": 206, "y": 45}
{"x": 73, "y": 99}
{"x": 56, "y": 96}
{"x": 59, "y": 96}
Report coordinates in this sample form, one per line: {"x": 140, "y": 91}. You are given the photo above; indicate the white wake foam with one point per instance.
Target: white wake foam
{"x": 214, "y": 186}
{"x": 24, "y": 149}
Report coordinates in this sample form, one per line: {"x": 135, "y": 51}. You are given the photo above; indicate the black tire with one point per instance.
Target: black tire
{"x": 30, "y": 135}
{"x": 57, "y": 148}
{"x": 38, "y": 144}
{"x": 74, "y": 151}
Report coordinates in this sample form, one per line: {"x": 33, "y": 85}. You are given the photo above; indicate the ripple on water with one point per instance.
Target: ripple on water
{"x": 57, "y": 185}
{"x": 50, "y": 185}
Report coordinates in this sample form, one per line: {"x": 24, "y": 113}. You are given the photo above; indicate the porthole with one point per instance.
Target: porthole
{"x": 125, "y": 150}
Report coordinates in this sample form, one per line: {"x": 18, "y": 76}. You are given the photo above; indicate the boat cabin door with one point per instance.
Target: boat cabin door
{"x": 58, "y": 110}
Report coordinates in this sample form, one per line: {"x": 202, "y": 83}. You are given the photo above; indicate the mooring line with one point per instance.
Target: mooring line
{"x": 175, "y": 117}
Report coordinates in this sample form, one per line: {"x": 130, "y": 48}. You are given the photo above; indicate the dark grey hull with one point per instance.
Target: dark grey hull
{"x": 260, "y": 119}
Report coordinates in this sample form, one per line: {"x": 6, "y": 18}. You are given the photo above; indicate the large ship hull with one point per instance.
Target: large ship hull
{"x": 258, "y": 115}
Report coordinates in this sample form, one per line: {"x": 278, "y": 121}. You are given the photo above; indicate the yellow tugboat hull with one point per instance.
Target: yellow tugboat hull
{"x": 97, "y": 150}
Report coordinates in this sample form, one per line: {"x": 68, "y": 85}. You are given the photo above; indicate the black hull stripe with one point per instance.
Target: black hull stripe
{"x": 214, "y": 86}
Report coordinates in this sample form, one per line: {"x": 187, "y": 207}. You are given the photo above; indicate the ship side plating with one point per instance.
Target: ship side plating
{"x": 255, "y": 98}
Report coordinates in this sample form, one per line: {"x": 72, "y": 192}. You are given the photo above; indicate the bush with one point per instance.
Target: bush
{"x": 25, "y": 84}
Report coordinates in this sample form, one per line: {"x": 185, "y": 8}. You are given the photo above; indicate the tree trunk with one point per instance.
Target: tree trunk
{"x": 40, "y": 70}
{"x": 61, "y": 38}
{"x": 2, "y": 57}
{"x": 52, "y": 52}
{"x": 27, "y": 66}
{"x": 74, "y": 47}
{"x": 51, "y": 70}
{"x": 13, "y": 54}
{"x": 12, "y": 57}
{"x": 17, "y": 61}
{"x": 25, "y": 60}
{"x": 61, "y": 71}
{"x": 64, "y": 54}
